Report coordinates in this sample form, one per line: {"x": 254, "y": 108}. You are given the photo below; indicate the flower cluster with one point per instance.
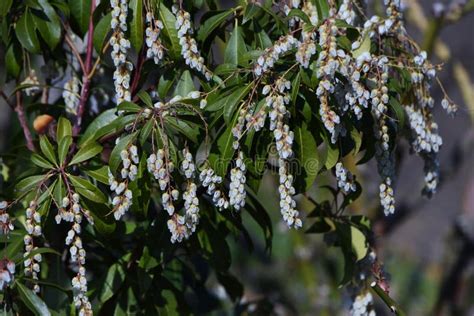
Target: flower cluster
{"x": 191, "y": 201}
{"x": 345, "y": 179}
{"x": 178, "y": 228}
{"x": 237, "y": 191}
{"x": 7, "y": 272}
{"x": 71, "y": 95}
{"x": 425, "y": 137}
{"x": 306, "y": 48}
{"x": 450, "y": 107}
{"x": 33, "y": 229}
{"x": 295, "y": 4}
{"x": 78, "y": 254}
{"x": 123, "y": 196}
{"x": 189, "y": 49}
{"x": 329, "y": 61}
{"x": 346, "y": 12}
{"x": 272, "y": 54}
{"x": 211, "y": 181}
{"x": 32, "y": 83}
{"x": 160, "y": 167}
{"x": 152, "y": 40}
{"x": 120, "y": 46}
{"x": 5, "y": 223}
{"x": 359, "y": 94}
{"x": 426, "y": 142}
{"x": 276, "y": 100}
{"x": 363, "y": 305}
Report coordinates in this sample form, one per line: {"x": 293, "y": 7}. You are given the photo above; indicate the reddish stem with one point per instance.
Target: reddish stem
{"x": 20, "y": 111}
{"x": 136, "y": 77}
{"x": 86, "y": 80}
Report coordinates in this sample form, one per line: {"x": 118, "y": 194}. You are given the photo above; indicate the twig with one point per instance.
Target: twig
{"x": 86, "y": 80}
{"x": 138, "y": 70}
{"x": 75, "y": 52}
{"x": 20, "y": 111}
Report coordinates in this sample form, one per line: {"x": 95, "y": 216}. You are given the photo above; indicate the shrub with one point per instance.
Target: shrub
{"x": 155, "y": 123}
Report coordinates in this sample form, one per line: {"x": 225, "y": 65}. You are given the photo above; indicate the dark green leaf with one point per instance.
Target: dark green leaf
{"x": 87, "y": 189}
{"x": 5, "y": 7}
{"x": 48, "y": 149}
{"x": 212, "y": 23}
{"x": 235, "y": 49}
{"x": 81, "y": 13}
{"x": 32, "y": 301}
{"x": 85, "y": 153}
{"x": 41, "y": 162}
{"x": 26, "y": 34}
{"x": 13, "y": 60}
{"x": 100, "y": 121}
{"x": 100, "y": 174}
{"x": 136, "y": 24}
{"x": 64, "y": 128}
{"x": 185, "y": 84}
{"x": 129, "y": 107}
{"x": 101, "y": 30}
{"x": 113, "y": 280}
{"x": 123, "y": 144}
{"x": 169, "y": 30}
{"x": 307, "y": 154}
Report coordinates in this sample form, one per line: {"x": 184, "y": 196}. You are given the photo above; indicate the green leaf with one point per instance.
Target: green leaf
{"x": 87, "y": 189}
{"x": 26, "y": 34}
{"x": 332, "y": 156}
{"x": 85, "y": 153}
{"x": 32, "y": 301}
{"x": 399, "y": 111}
{"x": 185, "y": 84}
{"x": 81, "y": 12}
{"x": 129, "y": 107}
{"x": 59, "y": 192}
{"x": 363, "y": 48}
{"x": 29, "y": 183}
{"x": 182, "y": 127}
{"x": 41, "y": 162}
{"x": 136, "y": 24}
{"x": 101, "y": 30}
{"x": 100, "y": 174}
{"x": 145, "y": 97}
{"x": 170, "y": 31}
{"x": 230, "y": 104}
{"x": 36, "y": 251}
{"x": 359, "y": 243}
{"x": 307, "y": 154}
{"x": 300, "y": 14}
{"x": 48, "y": 149}
{"x": 236, "y": 49}
{"x": 5, "y": 6}
{"x": 212, "y": 23}
{"x": 145, "y": 131}
{"x": 63, "y": 148}
{"x": 113, "y": 281}
{"x": 226, "y": 150}
{"x": 104, "y": 119}
{"x": 64, "y": 128}
{"x": 123, "y": 144}
{"x": 50, "y": 30}
{"x": 13, "y": 60}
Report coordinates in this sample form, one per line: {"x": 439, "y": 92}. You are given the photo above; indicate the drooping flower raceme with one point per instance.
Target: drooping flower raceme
{"x": 189, "y": 49}
{"x": 33, "y": 229}
{"x": 71, "y": 95}
{"x": 120, "y": 46}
